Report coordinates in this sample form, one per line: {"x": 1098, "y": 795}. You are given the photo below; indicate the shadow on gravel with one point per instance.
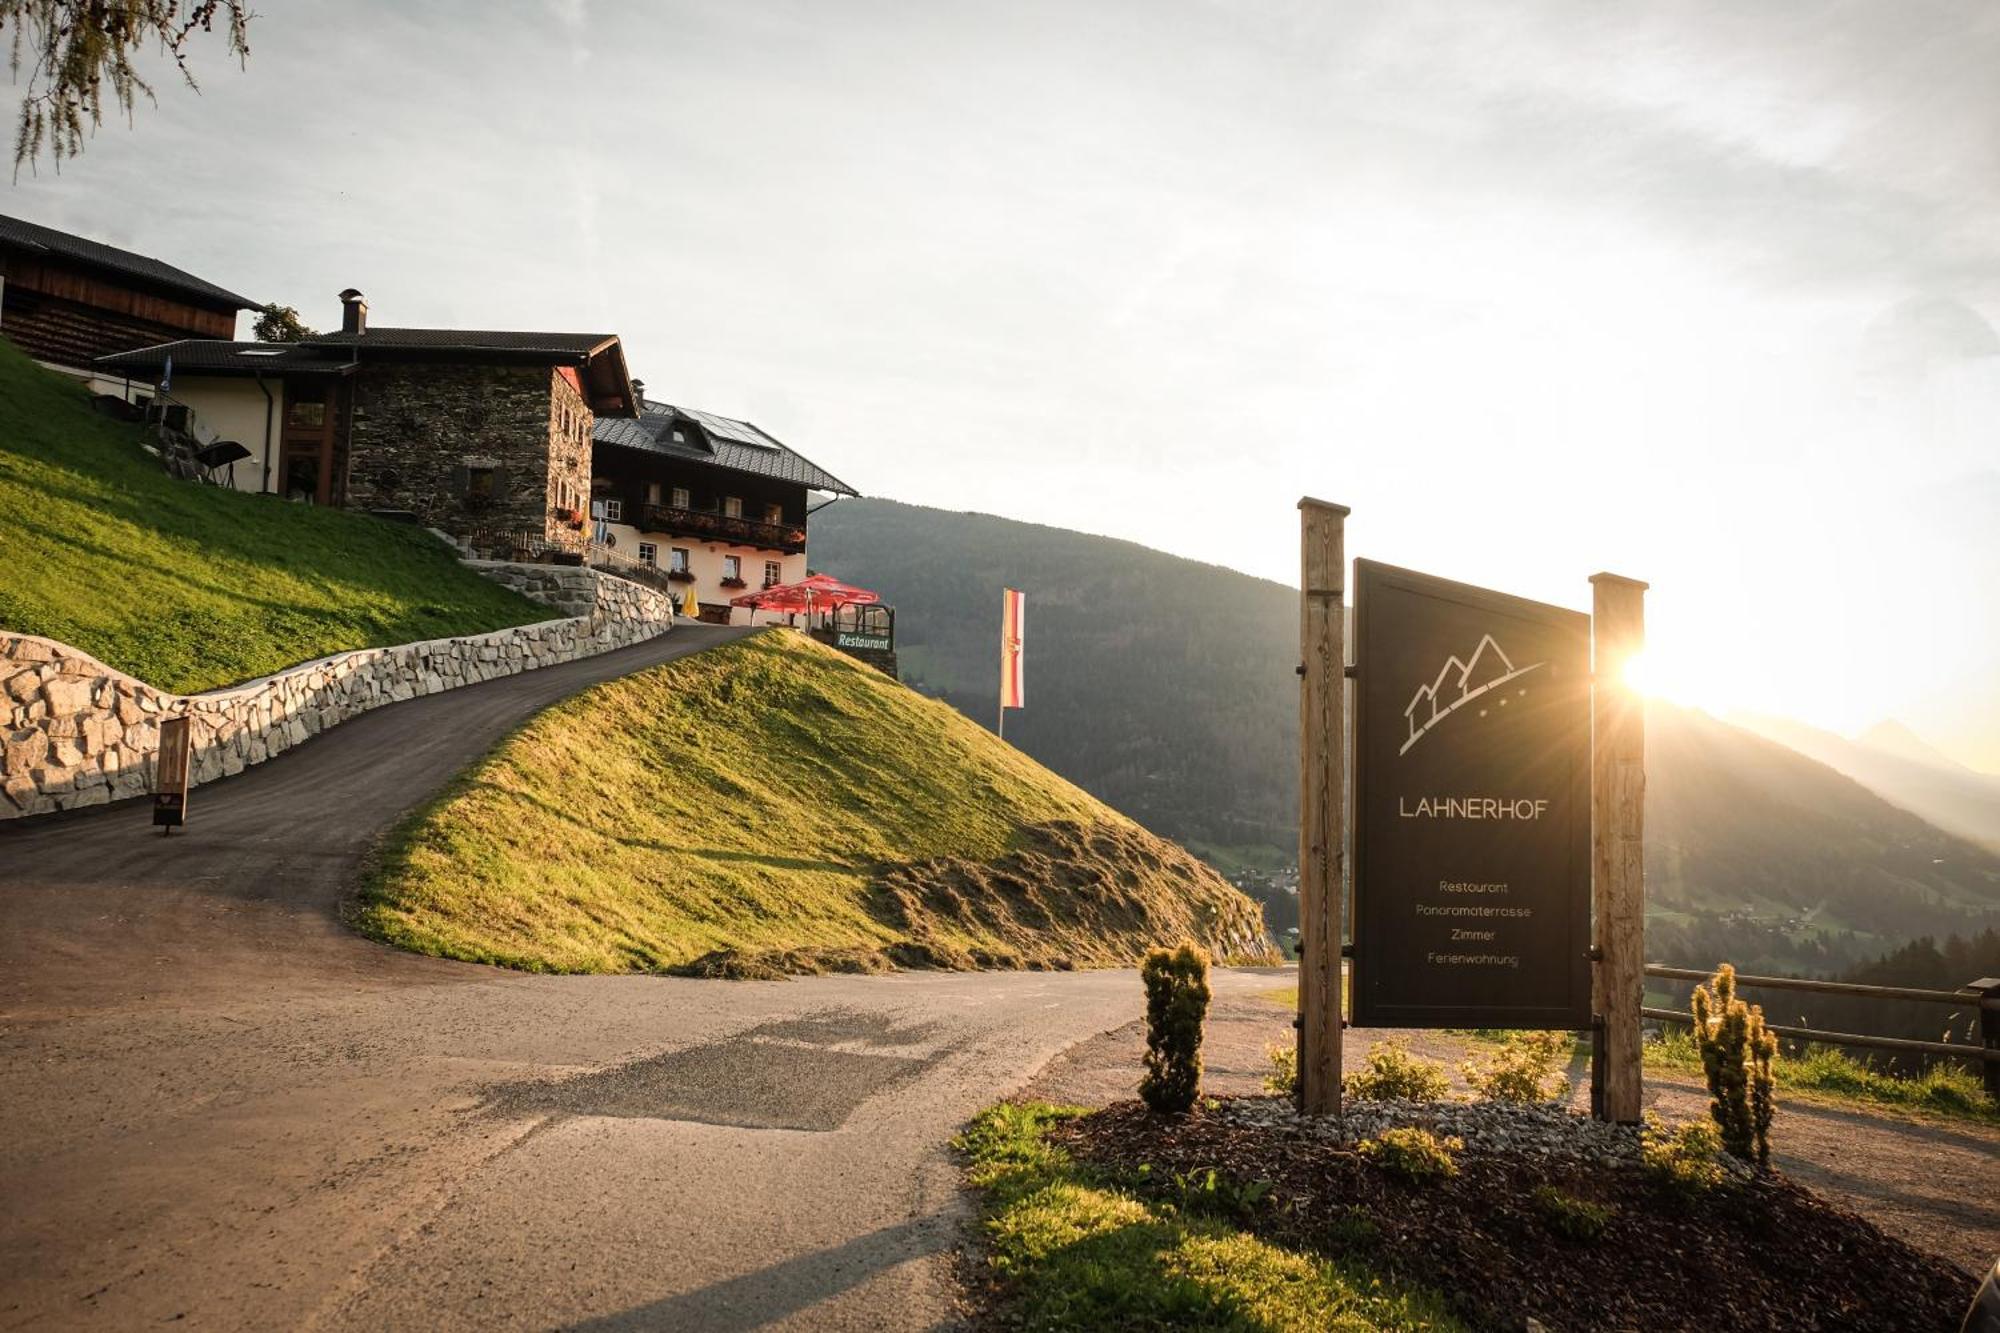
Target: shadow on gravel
{"x": 807, "y": 1073}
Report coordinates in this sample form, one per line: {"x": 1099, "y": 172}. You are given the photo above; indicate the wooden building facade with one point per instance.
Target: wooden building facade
{"x": 67, "y": 300}
{"x": 717, "y": 503}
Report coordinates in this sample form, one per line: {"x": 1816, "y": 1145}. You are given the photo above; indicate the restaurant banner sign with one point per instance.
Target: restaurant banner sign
{"x": 173, "y": 771}
{"x": 1472, "y": 806}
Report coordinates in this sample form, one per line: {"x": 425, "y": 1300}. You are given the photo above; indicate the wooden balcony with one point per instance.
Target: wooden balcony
{"x": 709, "y": 525}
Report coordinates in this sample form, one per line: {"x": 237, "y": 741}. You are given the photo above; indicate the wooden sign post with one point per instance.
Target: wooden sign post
{"x": 171, "y": 771}
{"x": 1499, "y": 791}
{"x": 1618, "y": 842}
{"x": 1322, "y": 799}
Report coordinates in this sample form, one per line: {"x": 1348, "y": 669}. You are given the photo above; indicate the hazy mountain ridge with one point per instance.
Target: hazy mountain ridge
{"x": 1894, "y": 764}
{"x": 1166, "y": 687}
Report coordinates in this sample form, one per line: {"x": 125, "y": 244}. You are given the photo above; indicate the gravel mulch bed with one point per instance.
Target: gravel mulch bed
{"x": 1761, "y": 1252}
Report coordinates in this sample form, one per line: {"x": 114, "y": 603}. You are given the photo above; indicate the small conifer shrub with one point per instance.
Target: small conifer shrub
{"x": 1417, "y": 1155}
{"x": 1392, "y": 1072}
{"x": 1521, "y": 1070}
{"x": 1176, "y": 1004}
{"x": 1736, "y": 1055}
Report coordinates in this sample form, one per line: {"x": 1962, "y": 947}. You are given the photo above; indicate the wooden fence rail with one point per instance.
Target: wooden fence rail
{"x": 1983, "y": 996}
{"x": 1964, "y": 995}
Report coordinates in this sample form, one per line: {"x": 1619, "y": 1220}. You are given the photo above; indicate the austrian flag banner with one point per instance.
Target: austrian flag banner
{"x": 1013, "y": 625}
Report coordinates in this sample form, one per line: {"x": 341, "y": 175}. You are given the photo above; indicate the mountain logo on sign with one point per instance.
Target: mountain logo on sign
{"x": 1458, "y": 684}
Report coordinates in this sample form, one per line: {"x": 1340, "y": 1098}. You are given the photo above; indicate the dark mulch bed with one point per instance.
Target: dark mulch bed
{"x": 1766, "y": 1254}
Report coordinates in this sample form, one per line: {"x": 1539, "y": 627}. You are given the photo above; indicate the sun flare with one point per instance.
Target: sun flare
{"x": 1693, "y": 683}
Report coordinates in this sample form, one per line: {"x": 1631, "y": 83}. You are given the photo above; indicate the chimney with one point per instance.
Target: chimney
{"x": 638, "y": 395}
{"x": 353, "y": 312}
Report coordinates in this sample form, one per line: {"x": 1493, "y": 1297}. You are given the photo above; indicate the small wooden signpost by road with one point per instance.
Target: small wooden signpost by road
{"x": 1498, "y": 780}
{"x": 171, "y": 771}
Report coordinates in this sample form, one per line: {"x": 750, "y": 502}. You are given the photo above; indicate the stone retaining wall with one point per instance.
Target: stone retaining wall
{"x": 81, "y": 733}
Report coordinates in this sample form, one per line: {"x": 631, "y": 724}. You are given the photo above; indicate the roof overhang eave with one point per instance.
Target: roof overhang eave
{"x": 611, "y": 393}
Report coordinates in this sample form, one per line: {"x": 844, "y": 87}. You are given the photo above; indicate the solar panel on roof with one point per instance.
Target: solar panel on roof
{"x": 729, "y": 429}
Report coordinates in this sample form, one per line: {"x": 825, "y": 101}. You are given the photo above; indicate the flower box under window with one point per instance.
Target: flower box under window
{"x": 734, "y": 583}
{"x": 681, "y": 575}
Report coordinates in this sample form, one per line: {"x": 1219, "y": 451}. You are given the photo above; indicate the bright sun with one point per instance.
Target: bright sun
{"x": 1694, "y": 684}
{"x": 1642, "y": 675}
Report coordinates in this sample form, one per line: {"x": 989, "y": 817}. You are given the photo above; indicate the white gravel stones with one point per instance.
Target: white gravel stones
{"x": 1488, "y": 1128}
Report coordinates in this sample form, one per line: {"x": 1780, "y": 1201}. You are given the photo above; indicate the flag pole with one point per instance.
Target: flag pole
{"x": 1010, "y": 658}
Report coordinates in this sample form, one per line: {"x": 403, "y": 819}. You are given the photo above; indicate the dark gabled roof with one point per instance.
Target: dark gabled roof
{"x": 19, "y": 234}
{"x": 719, "y": 442}
{"x": 468, "y": 340}
{"x": 607, "y": 384}
{"x": 213, "y": 356}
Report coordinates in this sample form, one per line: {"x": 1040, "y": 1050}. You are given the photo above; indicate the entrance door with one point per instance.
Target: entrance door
{"x": 307, "y": 473}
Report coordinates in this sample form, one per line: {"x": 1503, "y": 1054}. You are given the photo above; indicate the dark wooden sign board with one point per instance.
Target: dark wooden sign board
{"x": 1471, "y": 806}
{"x": 171, "y": 770}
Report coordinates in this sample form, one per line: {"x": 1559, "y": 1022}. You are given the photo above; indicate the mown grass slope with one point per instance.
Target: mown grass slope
{"x": 773, "y": 806}
{"x": 190, "y": 587}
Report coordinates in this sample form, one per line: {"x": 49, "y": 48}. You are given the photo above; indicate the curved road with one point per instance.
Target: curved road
{"x": 223, "y": 1108}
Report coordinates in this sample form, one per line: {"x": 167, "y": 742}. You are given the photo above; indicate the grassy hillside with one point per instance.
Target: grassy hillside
{"x": 190, "y": 587}
{"x": 1166, "y": 687}
{"x": 773, "y": 806}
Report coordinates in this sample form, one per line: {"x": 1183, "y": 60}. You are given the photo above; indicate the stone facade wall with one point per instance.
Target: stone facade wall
{"x": 421, "y": 428}
{"x": 78, "y": 732}
{"x": 571, "y": 426}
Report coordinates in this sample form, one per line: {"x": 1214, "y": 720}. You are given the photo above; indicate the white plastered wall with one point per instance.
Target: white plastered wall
{"x": 225, "y": 407}
{"x": 705, "y": 559}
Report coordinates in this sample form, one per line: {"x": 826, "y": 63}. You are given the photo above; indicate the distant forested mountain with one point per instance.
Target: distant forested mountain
{"x": 1756, "y": 853}
{"x": 1166, "y": 687}
{"x": 1163, "y": 686}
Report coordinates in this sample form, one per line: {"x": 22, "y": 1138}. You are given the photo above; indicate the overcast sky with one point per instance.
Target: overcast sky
{"x": 1698, "y": 294}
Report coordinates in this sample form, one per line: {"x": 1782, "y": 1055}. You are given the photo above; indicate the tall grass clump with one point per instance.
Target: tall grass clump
{"x": 1944, "y": 1088}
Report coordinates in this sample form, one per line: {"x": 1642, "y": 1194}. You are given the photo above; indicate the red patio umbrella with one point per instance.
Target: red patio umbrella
{"x": 817, "y": 592}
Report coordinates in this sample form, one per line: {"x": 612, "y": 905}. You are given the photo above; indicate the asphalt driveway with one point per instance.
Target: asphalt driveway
{"x": 225, "y": 1110}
